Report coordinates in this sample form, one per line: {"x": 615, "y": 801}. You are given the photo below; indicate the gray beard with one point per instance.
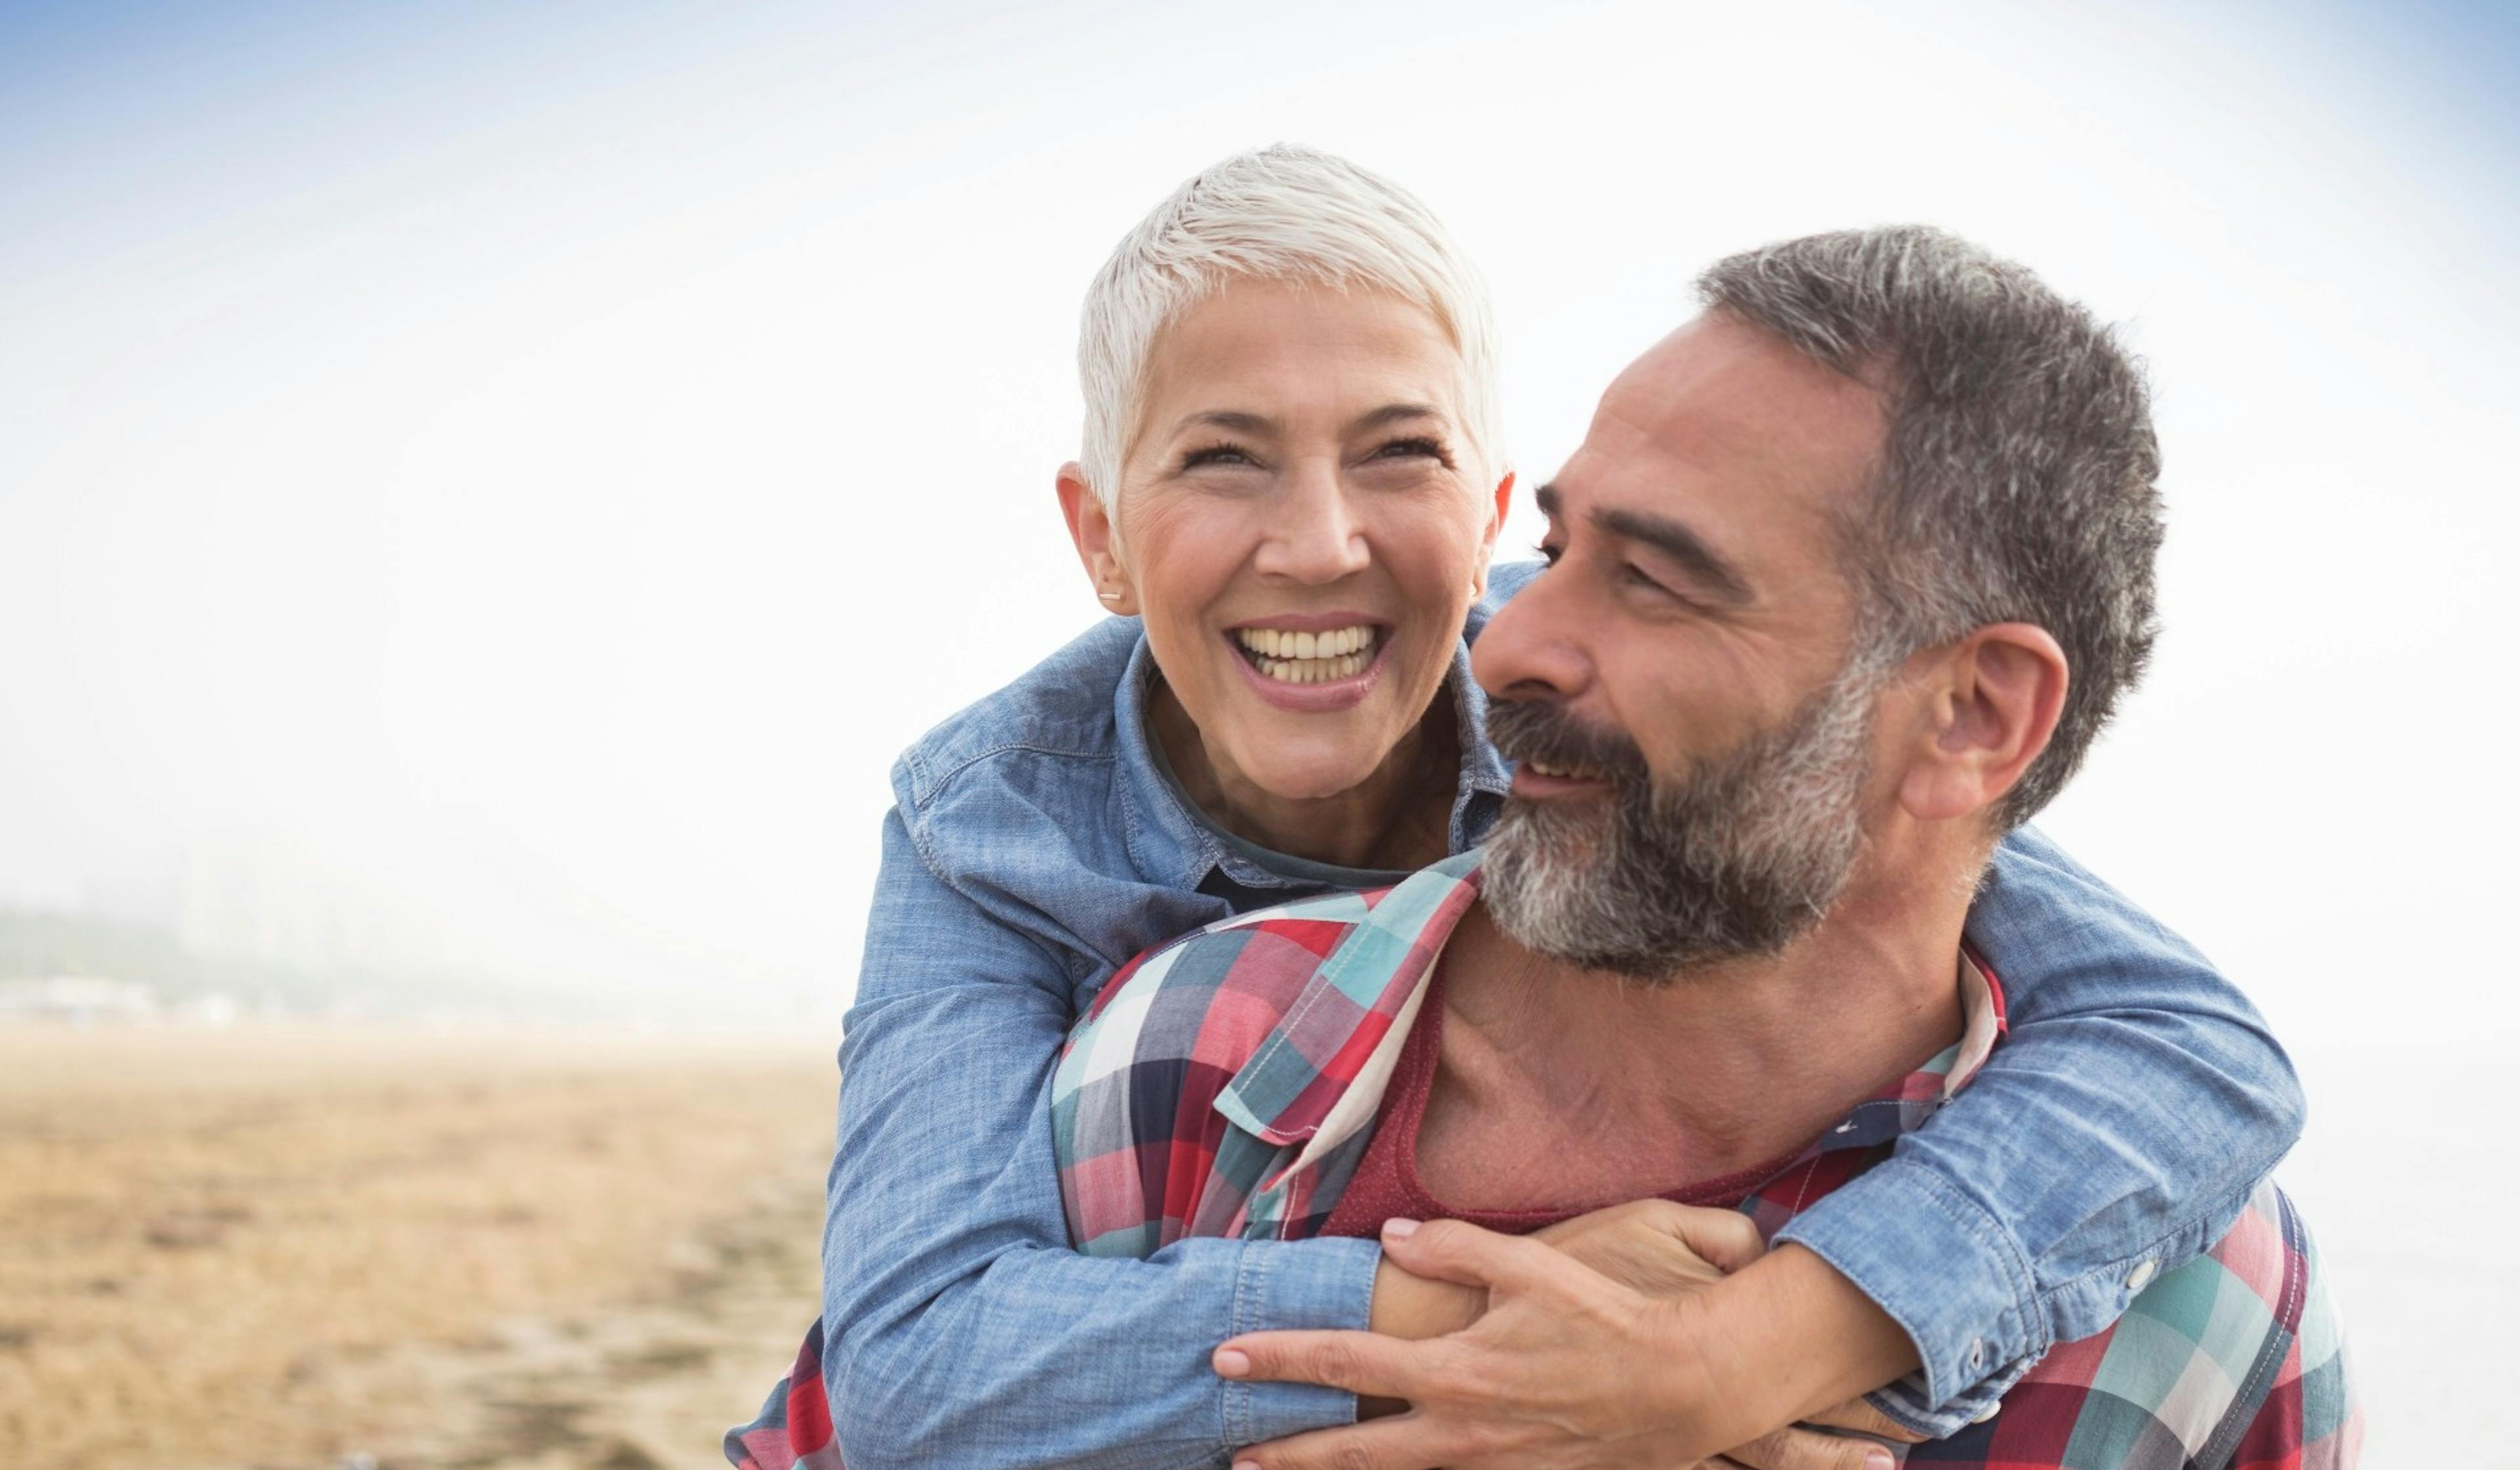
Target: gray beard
{"x": 1740, "y": 856}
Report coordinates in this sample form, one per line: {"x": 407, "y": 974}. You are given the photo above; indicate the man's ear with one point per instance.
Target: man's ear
{"x": 1496, "y": 528}
{"x": 1997, "y": 697}
{"x": 1088, "y": 525}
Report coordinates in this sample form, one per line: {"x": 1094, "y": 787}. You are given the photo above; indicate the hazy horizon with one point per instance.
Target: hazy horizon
{"x": 511, "y": 480}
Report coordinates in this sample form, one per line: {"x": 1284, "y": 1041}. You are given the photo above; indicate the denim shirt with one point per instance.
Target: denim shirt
{"x": 1035, "y": 848}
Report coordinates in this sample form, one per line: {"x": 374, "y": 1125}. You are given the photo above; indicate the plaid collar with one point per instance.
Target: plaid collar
{"x": 1318, "y": 1077}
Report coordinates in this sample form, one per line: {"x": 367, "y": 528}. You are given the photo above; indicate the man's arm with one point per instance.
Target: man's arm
{"x": 2113, "y": 1136}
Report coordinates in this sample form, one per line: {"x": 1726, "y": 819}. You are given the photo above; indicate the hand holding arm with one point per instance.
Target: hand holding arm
{"x": 1525, "y": 1385}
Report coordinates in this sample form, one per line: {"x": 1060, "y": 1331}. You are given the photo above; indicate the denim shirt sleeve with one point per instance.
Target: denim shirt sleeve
{"x": 961, "y": 1328}
{"x": 2116, "y": 1133}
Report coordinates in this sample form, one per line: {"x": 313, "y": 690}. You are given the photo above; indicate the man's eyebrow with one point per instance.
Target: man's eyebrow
{"x": 1703, "y": 564}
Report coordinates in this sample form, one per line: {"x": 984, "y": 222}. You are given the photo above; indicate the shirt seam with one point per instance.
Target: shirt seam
{"x": 1251, "y": 1280}
{"x": 2114, "y": 1272}
{"x": 2022, "y": 1281}
{"x": 935, "y": 787}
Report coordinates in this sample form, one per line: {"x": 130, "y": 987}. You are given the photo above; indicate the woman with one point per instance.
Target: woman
{"x": 1290, "y": 489}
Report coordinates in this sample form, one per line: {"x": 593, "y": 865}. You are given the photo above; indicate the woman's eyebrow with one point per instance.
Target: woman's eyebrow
{"x": 1234, "y": 420}
{"x": 1392, "y": 413}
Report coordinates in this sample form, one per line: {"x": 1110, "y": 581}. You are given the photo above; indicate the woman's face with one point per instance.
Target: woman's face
{"x": 1303, "y": 523}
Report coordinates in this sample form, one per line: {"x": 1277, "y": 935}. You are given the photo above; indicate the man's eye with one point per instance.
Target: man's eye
{"x": 1549, "y": 554}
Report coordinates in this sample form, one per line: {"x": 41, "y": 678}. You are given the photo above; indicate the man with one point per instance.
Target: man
{"x": 1846, "y": 576}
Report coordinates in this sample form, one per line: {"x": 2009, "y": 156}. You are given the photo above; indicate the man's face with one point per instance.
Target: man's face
{"x": 1695, "y": 736}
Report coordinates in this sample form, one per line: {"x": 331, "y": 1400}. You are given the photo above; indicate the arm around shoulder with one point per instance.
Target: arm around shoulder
{"x": 2138, "y": 1101}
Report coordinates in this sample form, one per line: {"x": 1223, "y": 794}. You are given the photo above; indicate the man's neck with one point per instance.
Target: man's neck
{"x": 1611, "y": 1090}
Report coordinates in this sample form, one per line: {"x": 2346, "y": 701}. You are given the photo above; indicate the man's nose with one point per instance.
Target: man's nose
{"x": 1534, "y": 646}
{"x": 1316, "y": 534}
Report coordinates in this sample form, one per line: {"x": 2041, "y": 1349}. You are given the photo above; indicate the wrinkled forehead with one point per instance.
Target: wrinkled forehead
{"x": 1759, "y": 448}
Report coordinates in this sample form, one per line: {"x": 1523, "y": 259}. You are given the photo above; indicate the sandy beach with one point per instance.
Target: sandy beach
{"x": 286, "y": 1246}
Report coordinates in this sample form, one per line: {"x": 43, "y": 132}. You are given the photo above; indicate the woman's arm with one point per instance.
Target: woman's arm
{"x": 959, "y": 1328}
{"x": 2115, "y": 1135}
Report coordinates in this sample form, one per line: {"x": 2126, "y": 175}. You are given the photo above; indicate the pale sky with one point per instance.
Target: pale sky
{"x": 535, "y": 467}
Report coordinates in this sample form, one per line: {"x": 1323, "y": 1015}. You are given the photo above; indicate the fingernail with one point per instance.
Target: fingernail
{"x": 1247, "y": 1465}
{"x": 1399, "y": 1230}
{"x": 1233, "y": 1363}
{"x": 1880, "y": 1459}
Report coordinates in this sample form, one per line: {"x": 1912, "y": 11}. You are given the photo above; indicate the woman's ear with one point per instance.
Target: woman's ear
{"x": 1496, "y": 528}
{"x": 1088, "y": 525}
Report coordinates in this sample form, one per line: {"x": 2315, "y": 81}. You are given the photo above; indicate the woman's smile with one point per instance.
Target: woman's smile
{"x": 1320, "y": 662}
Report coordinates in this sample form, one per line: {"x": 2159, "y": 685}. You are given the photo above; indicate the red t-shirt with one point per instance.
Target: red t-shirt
{"x": 1386, "y": 1186}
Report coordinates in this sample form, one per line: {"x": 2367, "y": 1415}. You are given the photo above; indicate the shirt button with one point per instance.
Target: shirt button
{"x": 2141, "y": 1277}
{"x": 1977, "y": 1354}
{"x": 1987, "y": 1413}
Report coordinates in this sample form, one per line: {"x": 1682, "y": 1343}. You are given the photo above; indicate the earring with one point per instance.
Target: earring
{"x": 1108, "y": 596}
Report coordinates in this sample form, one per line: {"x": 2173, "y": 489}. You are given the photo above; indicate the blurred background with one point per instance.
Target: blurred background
{"x": 486, "y": 490}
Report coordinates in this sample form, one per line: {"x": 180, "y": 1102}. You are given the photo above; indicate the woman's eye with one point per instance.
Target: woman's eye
{"x": 1215, "y": 454}
{"x": 1432, "y": 449}
{"x": 1549, "y": 554}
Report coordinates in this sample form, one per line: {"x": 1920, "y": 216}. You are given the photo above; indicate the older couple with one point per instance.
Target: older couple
{"x": 1840, "y": 585}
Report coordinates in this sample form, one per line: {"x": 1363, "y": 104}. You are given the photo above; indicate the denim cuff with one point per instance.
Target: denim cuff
{"x": 1308, "y": 1284}
{"x": 1947, "y": 1272}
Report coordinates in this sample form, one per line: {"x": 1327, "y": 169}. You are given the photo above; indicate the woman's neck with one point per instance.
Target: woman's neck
{"x": 1398, "y": 817}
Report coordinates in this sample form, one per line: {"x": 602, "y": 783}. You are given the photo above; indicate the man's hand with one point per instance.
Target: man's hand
{"x": 1525, "y": 1384}
{"x": 1653, "y": 1246}
{"x": 1559, "y": 1372}
{"x": 1659, "y": 1248}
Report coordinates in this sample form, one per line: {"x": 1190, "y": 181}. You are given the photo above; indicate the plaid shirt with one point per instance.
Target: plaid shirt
{"x": 1227, "y": 1085}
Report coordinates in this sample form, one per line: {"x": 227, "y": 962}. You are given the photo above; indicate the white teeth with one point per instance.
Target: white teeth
{"x": 1310, "y": 658}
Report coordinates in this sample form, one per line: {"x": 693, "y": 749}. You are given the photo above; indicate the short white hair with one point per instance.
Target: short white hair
{"x": 1277, "y": 214}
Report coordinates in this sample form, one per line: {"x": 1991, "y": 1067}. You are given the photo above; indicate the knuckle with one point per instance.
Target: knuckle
{"x": 1335, "y": 1362}
{"x": 1352, "y": 1457}
{"x": 1663, "y": 1214}
{"x": 1741, "y": 1232}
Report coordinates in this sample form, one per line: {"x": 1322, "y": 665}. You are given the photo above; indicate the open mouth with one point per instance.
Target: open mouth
{"x": 1557, "y": 772}
{"x": 1324, "y": 657}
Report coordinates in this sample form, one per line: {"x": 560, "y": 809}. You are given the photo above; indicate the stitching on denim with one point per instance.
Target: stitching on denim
{"x": 2187, "y": 1241}
{"x": 1989, "y": 1233}
{"x": 1252, "y": 1275}
{"x": 938, "y": 787}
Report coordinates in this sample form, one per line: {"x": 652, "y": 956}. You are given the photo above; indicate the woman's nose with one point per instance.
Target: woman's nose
{"x": 1316, "y": 534}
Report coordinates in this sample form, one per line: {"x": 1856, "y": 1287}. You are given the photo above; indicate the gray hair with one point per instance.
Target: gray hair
{"x": 2018, "y": 480}
{"x": 1280, "y": 213}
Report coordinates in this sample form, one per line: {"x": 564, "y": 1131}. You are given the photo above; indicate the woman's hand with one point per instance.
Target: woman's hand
{"x": 1525, "y": 1384}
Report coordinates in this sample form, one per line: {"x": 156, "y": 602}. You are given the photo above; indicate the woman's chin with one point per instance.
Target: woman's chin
{"x": 1316, "y": 780}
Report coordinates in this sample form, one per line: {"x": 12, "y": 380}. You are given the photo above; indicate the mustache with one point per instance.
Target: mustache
{"x": 1528, "y": 729}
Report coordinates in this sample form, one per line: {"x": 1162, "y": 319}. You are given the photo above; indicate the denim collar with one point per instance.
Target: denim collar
{"x": 1171, "y": 846}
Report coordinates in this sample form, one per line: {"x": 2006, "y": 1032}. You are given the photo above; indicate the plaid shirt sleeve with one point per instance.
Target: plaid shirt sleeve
{"x": 2233, "y": 1362}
